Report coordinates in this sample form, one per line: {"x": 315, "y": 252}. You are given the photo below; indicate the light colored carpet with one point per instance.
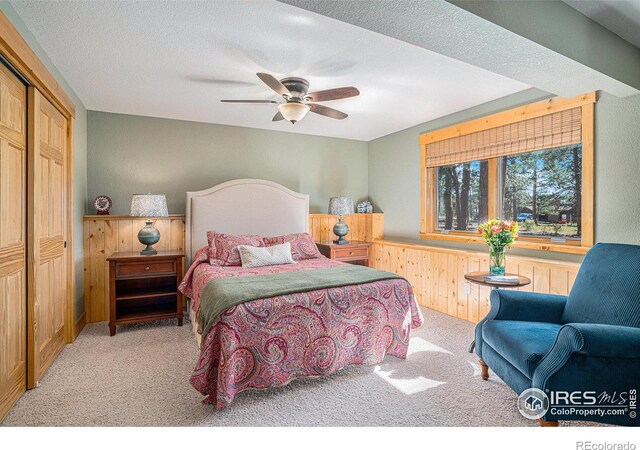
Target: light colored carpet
{"x": 140, "y": 377}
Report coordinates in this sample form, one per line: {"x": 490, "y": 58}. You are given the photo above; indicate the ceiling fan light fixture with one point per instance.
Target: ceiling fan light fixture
{"x": 293, "y": 111}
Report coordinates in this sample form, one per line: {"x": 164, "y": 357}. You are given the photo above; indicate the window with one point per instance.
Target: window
{"x": 542, "y": 191}
{"x": 463, "y": 196}
{"x": 533, "y": 164}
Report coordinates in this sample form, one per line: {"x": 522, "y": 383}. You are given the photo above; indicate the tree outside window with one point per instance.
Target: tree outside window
{"x": 463, "y": 196}
{"x": 542, "y": 191}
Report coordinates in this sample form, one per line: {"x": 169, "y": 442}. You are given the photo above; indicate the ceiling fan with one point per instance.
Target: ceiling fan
{"x": 298, "y": 101}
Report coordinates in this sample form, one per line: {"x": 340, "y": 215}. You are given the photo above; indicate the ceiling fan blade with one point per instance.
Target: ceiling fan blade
{"x": 277, "y": 117}
{"x": 248, "y": 101}
{"x": 273, "y": 83}
{"x": 326, "y": 111}
{"x": 333, "y": 94}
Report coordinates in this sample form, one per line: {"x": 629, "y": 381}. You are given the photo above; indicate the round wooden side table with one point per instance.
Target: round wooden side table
{"x": 478, "y": 278}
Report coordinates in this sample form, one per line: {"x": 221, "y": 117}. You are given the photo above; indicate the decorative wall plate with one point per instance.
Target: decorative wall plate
{"x": 103, "y": 204}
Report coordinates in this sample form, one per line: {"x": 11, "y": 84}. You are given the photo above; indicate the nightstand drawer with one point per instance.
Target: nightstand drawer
{"x": 344, "y": 253}
{"x": 142, "y": 269}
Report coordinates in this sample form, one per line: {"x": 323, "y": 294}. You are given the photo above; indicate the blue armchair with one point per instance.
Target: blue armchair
{"x": 586, "y": 341}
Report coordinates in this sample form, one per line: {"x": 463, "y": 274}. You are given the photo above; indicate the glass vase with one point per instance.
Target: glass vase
{"x": 497, "y": 261}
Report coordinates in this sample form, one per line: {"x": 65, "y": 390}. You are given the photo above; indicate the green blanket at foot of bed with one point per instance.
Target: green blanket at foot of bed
{"x": 221, "y": 294}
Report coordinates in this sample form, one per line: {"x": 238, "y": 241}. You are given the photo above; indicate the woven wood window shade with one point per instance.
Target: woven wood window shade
{"x": 548, "y": 131}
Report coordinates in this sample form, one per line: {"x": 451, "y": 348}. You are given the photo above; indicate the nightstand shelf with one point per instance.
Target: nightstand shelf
{"x": 142, "y": 313}
{"x": 355, "y": 252}
{"x": 145, "y": 293}
{"x": 143, "y": 288}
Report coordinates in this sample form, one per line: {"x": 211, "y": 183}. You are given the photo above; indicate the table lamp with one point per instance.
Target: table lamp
{"x": 149, "y": 205}
{"x": 340, "y": 206}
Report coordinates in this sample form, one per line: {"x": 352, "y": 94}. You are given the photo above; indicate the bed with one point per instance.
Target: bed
{"x": 310, "y": 332}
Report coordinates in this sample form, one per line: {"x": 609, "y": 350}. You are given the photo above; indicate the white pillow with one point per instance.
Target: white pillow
{"x": 265, "y": 256}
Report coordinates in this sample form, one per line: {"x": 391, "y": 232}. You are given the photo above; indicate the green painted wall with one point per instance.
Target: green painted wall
{"x": 130, "y": 154}
{"x": 133, "y": 154}
{"x": 80, "y": 153}
{"x": 394, "y": 174}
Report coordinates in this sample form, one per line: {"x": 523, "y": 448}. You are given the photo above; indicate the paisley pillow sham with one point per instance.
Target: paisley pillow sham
{"x": 222, "y": 247}
{"x": 302, "y": 245}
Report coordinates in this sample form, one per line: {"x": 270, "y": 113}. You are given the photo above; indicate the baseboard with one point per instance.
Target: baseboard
{"x": 80, "y": 323}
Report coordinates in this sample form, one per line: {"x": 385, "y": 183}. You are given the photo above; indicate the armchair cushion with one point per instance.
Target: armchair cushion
{"x": 522, "y": 306}
{"x": 607, "y": 287}
{"x": 523, "y": 344}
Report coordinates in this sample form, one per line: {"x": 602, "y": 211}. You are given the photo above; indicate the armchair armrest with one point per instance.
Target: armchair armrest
{"x": 601, "y": 341}
{"x": 526, "y": 306}
{"x": 590, "y": 339}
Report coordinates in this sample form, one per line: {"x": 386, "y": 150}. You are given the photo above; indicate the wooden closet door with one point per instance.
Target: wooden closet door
{"x": 48, "y": 291}
{"x": 13, "y": 297}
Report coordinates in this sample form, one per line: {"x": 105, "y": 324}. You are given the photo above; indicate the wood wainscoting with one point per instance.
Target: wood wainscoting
{"x": 104, "y": 235}
{"x": 437, "y": 276}
{"x": 362, "y": 227}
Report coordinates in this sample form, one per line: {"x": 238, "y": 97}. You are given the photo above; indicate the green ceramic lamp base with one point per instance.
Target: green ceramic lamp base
{"x": 149, "y": 235}
{"x": 149, "y": 250}
{"x": 341, "y": 229}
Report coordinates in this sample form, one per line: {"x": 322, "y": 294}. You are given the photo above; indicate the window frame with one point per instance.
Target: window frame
{"x": 428, "y": 182}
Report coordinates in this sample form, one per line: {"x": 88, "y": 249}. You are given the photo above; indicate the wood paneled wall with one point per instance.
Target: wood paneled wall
{"x": 104, "y": 235}
{"x": 362, "y": 227}
{"x": 437, "y": 276}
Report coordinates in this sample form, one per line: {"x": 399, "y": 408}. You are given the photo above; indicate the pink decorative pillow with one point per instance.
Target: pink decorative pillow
{"x": 222, "y": 247}
{"x": 302, "y": 245}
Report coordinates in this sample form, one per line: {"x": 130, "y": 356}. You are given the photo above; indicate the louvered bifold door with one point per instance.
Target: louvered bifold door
{"x": 48, "y": 291}
{"x": 13, "y": 278}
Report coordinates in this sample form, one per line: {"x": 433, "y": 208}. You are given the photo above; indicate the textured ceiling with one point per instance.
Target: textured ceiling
{"x": 458, "y": 29}
{"x": 178, "y": 59}
{"x": 620, "y": 16}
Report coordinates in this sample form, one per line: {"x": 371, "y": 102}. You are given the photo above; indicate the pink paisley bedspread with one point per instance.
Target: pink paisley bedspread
{"x": 269, "y": 342}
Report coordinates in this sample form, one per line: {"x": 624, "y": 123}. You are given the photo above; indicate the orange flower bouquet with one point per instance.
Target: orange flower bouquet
{"x": 499, "y": 235}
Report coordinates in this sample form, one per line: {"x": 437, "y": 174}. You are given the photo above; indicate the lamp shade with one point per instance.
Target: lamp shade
{"x": 293, "y": 111}
{"x": 341, "y": 205}
{"x": 149, "y": 205}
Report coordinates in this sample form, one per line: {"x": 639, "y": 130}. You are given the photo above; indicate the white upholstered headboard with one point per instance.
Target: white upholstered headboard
{"x": 244, "y": 207}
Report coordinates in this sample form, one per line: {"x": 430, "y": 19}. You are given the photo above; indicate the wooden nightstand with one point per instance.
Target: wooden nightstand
{"x": 144, "y": 287}
{"x": 355, "y": 252}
